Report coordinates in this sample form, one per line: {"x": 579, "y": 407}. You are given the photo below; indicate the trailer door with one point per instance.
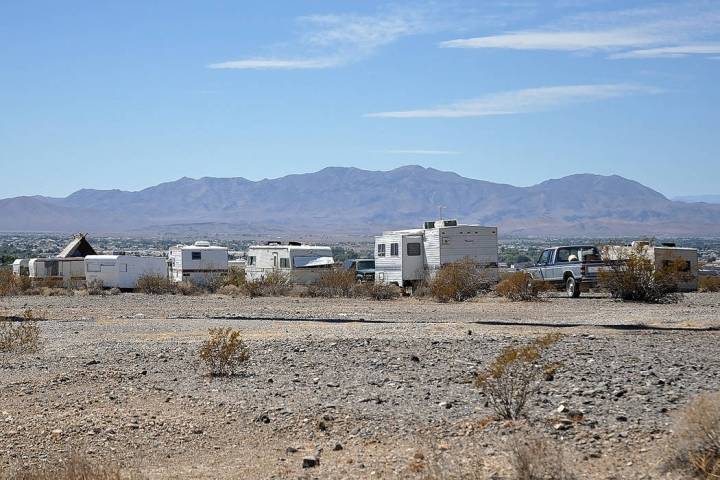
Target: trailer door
{"x": 413, "y": 265}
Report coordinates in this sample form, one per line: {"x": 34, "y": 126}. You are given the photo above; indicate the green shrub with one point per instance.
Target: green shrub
{"x": 224, "y": 351}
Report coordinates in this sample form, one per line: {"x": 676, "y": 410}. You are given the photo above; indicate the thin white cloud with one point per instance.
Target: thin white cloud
{"x": 277, "y": 64}
{"x": 423, "y": 152}
{"x": 671, "y": 52}
{"x": 523, "y": 101}
{"x": 568, "y": 41}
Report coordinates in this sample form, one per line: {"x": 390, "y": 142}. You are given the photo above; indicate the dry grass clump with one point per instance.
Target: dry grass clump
{"x": 709, "y": 284}
{"x": 223, "y": 352}
{"x": 76, "y": 467}
{"x": 459, "y": 281}
{"x": 95, "y": 287}
{"x": 536, "y": 458}
{"x": 335, "y": 282}
{"x": 272, "y": 284}
{"x": 695, "y": 442}
{"x": 20, "y": 337}
{"x": 235, "y": 276}
{"x": 637, "y": 279}
{"x": 154, "y": 285}
{"x": 514, "y": 376}
{"x": 520, "y": 287}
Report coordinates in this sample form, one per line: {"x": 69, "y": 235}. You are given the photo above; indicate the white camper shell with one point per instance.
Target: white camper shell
{"x": 302, "y": 263}
{"x": 64, "y": 270}
{"x": 122, "y": 271}
{"x": 663, "y": 256}
{"x": 406, "y": 257}
{"x": 21, "y": 267}
{"x": 197, "y": 263}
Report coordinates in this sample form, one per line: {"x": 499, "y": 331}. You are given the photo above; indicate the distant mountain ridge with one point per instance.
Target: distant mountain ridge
{"x": 341, "y": 200}
{"x": 698, "y": 198}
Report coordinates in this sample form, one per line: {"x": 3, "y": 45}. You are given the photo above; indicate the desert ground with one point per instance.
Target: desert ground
{"x": 371, "y": 389}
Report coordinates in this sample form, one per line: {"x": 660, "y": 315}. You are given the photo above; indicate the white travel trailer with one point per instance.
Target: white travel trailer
{"x": 663, "y": 255}
{"x": 198, "y": 262}
{"x": 62, "y": 270}
{"x": 122, "y": 271}
{"x": 21, "y": 267}
{"x": 407, "y": 257}
{"x": 302, "y": 263}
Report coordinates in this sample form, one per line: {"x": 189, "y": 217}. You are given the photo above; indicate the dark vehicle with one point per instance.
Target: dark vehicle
{"x": 364, "y": 268}
{"x": 569, "y": 268}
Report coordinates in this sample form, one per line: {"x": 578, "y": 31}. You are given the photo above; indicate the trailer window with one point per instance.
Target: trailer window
{"x": 284, "y": 263}
{"x": 196, "y": 255}
{"x": 123, "y": 267}
{"x": 413, "y": 249}
{"x": 394, "y": 250}
{"x": 251, "y": 260}
{"x": 93, "y": 267}
{"x": 381, "y": 250}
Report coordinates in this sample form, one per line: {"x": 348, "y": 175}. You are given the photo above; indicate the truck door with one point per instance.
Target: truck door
{"x": 543, "y": 263}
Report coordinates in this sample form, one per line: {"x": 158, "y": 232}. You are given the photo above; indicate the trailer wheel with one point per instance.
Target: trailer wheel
{"x": 572, "y": 287}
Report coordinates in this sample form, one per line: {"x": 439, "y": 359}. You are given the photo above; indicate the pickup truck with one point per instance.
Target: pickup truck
{"x": 568, "y": 268}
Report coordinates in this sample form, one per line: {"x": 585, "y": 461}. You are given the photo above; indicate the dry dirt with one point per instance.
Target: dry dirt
{"x": 373, "y": 389}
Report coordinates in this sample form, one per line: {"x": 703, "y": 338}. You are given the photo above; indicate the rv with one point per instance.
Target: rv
{"x": 122, "y": 271}
{"x": 197, "y": 263}
{"x": 407, "y": 257}
{"x": 67, "y": 270}
{"x": 663, "y": 255}
{"x": 20, "y": 267}
{"x": 302, "y": 263}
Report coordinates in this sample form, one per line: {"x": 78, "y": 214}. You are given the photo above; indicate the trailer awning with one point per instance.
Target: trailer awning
{"x": 305, "y": 262}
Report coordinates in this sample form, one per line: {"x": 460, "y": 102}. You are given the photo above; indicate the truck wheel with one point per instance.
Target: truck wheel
{"x": 572, "y": 287}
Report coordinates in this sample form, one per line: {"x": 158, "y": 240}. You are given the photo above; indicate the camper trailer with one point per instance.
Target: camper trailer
{"x": 20, "y": 267}
{"x": 406, "y": 257}
{"x": 302, "y": 263}
{"x": 122, "y": 271}
{"x": 197, "y": 263}
{"x": 57, "y": 269}
{"x": 662, "y": 255}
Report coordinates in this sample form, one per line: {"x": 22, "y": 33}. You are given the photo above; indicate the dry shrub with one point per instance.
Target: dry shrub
{"x": 520, "y": 287}
{"x": 272, "y": 284}
{"x": 459, "y": 281}
{"x": 378, "y": 291}
{"x": 235, "y": 276}
{"x": 514, "y": 376}
{"x": 95, "y": 287}
{"x": 187, "y": 287}
{"x": 12, "y": 284}
{"x": 231, "y": 291}
{"x": 335, "y": 282}
{"x": 536, "y": 458}
{"x": 20, "y": 337}
{"x": 709, "y": 284}
{"x": 695, "y": 441}
{"x": 636, "y": 278}
{"x": 154, "y": 285}
{"x": 224, "y": 351}
{"x": 74, "y": 468}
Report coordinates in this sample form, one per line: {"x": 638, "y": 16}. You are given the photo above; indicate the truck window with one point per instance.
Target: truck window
{"x": 545, "y": 257}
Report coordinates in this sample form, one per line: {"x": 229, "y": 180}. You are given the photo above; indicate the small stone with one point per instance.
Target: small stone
{"x": 310, "y": 462}
{"x": 337, "y": 447}
{"x": 621, "y": 418}
{"x": 561, "y": 409}
{"x": 414, "y": 358}
{"x": 291, "y": 450}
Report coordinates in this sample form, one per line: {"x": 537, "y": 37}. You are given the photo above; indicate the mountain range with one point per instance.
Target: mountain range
{"x": 339, "y": 200}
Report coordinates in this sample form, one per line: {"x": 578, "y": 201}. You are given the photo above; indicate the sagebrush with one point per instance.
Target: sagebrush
{"x": 459, "y": 281}
{"x": 694, "y": 446}
{"x": 154, "y": 285}
{"x": 20, "y": 336}
{"x": 224, "y": 351}
{"x": 272, "y": 284}
{"x": 514, "y": 376}
{"x": 76, "y": 467}
{"x": 520, "y": 287}
{"x": 709, "y": 284}
{"x": 335, "y": 282}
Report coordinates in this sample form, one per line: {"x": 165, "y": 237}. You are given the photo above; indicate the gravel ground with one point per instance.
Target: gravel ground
{"x": 372, "y": 389}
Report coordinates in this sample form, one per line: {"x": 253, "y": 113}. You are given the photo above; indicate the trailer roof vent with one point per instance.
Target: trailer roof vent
{"x": 202, "y": 243}
{"x": 273, "y": 242}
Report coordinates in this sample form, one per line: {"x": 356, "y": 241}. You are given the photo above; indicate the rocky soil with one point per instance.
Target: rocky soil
{"x": 364, "y": 389}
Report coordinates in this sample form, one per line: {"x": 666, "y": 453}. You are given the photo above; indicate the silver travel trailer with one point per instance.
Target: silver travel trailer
{"x": 67, "y": 270}
{"x": 302, "y": 263}
{"x": 21, "y": 267}
{"x": 407, "y": 257}
{"x": 198, "y": 262}
{"x": 122, "y": 271}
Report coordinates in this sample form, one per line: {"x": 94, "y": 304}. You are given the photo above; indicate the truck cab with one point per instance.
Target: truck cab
{"x": 570, "y": 268}
{"x": 364, "y": 268}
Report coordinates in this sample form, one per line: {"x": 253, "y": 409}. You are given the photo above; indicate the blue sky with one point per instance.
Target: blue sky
{"x": 129, "y": 94}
